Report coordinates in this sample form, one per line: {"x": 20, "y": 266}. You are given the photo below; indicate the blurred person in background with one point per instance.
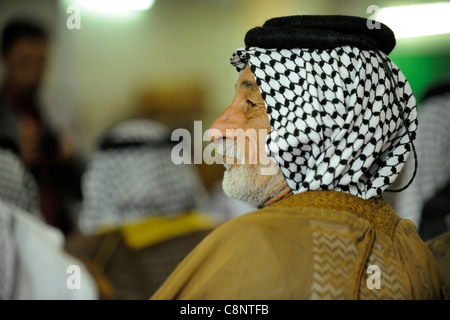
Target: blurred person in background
{"x": 49, "y": 154}
{"x": 140, "y": 215}
{"x": 427, "y": 200}
{"x": 33, "y": 262}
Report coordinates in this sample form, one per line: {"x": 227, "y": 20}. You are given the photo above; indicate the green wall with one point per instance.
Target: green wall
{"x": 422, "y": 70}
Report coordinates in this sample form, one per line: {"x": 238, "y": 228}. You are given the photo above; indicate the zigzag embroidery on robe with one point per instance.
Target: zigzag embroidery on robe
{"x": 423, "y": 279}
{"x": 332, "y": 260}
{"x": 391, "y": 283}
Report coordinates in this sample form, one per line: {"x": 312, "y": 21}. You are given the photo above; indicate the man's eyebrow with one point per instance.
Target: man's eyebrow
{"x": 248, "y": 84}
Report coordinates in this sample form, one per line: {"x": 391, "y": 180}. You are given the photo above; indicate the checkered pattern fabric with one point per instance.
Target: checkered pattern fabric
{"x": 433, "y": 145}
{"x": 18, "y": 190}
{"x": 131, "y": 183}
{"x": 342, "y": 119}
{"x": 17, "y": 185}
{"x": 7, "y": 252}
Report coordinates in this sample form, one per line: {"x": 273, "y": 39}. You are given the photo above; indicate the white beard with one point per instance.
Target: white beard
{"x": 244, "y": 182}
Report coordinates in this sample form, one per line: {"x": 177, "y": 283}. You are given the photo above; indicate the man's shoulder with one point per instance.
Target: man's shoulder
{"x": 296, "y": 216}
{"x": 292, "y": 251}
{"x": 294, "y": 224}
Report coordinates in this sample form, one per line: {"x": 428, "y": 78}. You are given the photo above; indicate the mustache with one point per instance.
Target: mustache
{"x": 230, "y": 149}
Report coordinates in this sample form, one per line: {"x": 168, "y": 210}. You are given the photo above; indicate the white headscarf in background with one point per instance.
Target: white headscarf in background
{"x": 433, "y": 151}
{"x": 34, "y": 264}
{"x": 7, "y": 256}
{"x": 17, "y": 185}
{"x": 131, "y": 177}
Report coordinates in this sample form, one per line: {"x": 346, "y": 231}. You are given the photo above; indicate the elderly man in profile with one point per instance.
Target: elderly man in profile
{"x": 340, "y": 121}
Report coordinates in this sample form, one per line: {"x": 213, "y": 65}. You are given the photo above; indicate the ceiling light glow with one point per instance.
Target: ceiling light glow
{"x": 416, "y": 20}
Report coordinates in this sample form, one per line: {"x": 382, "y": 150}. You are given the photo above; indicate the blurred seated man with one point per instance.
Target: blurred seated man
{"x": 140, "y": 214}
{"x": 338, "y": 118}
{"x": 33, "y": 263}
{"x": 440, "y": 247}
{"x": 44, "y": 150}
{"x": 427, "y": 201}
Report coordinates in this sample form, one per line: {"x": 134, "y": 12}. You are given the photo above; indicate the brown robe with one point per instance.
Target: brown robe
{"x": 313, "y": 245}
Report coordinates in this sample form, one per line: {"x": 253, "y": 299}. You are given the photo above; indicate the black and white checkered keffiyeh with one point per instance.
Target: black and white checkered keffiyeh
{"x": 131, "y": 177}
{"x": 17, "y": 185}
{"x": 338, "y": 116}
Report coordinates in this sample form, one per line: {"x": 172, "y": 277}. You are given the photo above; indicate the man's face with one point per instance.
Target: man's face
{"x": 243, "y": 128}
{"x": 25, "y": 62}
{"x": 245, "y": 122}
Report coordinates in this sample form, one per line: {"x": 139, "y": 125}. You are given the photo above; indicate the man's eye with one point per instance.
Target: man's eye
{"x": 251, "y": 103}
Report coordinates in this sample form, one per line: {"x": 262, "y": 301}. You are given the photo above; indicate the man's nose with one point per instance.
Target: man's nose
{"x": 226, "y": 124}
